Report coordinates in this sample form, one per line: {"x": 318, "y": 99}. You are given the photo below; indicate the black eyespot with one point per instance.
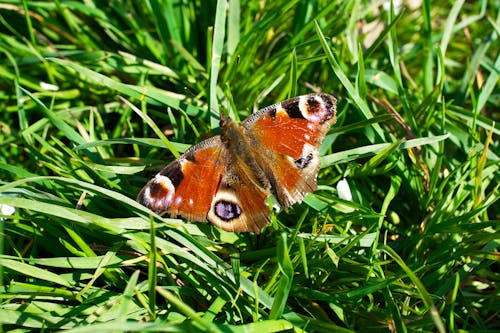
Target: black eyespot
{"x": 313, "y": 104}
{"x": 226, "y": 210}
{"x": 303, "y": 162}
{"x": 330, "y": 106}
{"x": 293, "y": 110}
{"x": 324, "y": 109}
{"x": 174, "y": 172}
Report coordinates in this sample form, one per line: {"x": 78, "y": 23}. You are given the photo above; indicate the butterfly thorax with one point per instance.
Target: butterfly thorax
{"x": 241, "y": 152}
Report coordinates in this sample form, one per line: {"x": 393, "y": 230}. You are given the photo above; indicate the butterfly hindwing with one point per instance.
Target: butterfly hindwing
{"x": 239, "y": 203}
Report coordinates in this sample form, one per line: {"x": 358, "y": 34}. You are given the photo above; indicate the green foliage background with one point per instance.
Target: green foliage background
{"x": 95, "y": 97}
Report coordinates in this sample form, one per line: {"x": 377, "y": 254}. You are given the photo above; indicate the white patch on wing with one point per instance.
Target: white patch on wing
{"x": 167, "y": 187}
{"x": 310, "y": 157}
{"x": 303, "y": 106}
{"x": 319, "y": 99}
{"x": 307, "y": 149}
{"x": 225, "y": 196}
{"x": 147, "y": 194}
{"x": 280, "y": 111}
{"x": 317, "y": 115}
{"x": 182, "y": 162}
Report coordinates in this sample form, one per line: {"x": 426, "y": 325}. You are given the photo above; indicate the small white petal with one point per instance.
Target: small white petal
{"x": 398, "y": 4}
{"x": 48, "y": 86}
{"x": 7, "y": 210}
{"x": 343, "y": 190}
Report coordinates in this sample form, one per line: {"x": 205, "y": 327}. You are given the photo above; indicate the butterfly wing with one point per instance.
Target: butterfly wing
{"x": 289, "y": 135}
{"x": 212, "y": 182}
{"x": 208, "y": 184}
{"x": 239, "y": 203}
{"x": 187, "y": 186}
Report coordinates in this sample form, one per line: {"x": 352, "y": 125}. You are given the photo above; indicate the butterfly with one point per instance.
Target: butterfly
{"x": 227, "y": 178}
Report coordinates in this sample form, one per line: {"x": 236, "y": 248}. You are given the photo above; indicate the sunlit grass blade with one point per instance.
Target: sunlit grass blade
{"x": 352, "y": 154}
{"x": 150, "y": 94}
{"x": 217, "y": 47}
{"x": 434, "y": 314}
{"x": 353, "y": 93}
{"x": 153, "y": 126}
{"x": 285, "y": 281}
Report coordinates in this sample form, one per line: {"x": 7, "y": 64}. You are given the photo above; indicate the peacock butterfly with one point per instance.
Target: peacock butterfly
{"x": 226, "y": 179}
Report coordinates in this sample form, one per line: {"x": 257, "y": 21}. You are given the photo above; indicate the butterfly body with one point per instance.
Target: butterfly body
{"x": 227, "y": 178}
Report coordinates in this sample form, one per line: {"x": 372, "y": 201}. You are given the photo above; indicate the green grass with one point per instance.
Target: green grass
{"x": 416, "y": 250}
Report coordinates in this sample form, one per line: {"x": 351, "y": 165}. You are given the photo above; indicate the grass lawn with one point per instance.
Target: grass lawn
{"x": 96, "y": 97}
